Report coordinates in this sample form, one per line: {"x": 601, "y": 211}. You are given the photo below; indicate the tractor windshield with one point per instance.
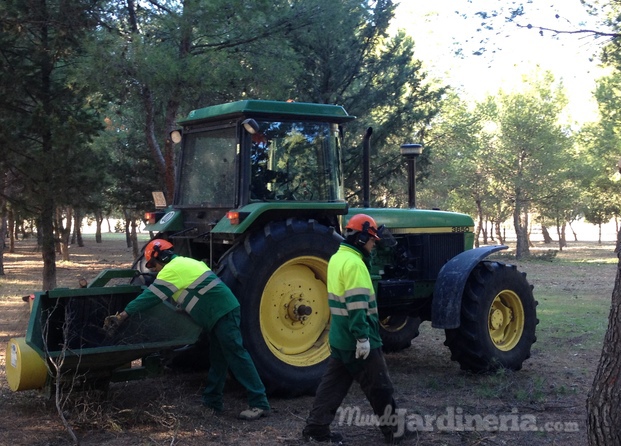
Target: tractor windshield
{"x": 295, "y": 161}
{"x": 207, "y": 174}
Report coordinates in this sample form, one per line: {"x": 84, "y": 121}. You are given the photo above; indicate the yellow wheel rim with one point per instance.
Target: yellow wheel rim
{"x": 506, "y": 320}
{"x": 294, "y": 312}
{"x": 394, "y": 323}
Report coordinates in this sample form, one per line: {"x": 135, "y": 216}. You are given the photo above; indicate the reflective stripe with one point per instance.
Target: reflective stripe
{"x": 159, "y": 293}
{"x": 210, "y": 286}
{"x": 191, "y": 304}
{"x": 356, "y": 291}
{"x": 338, "y": 311}
{"x": 335, "y": 298}
{"x": 156, "y": 288}
{"x": 350, "y": 293}
{"x": 182, "y": 296}
{"x": 201, "y": 278}
{"x": 193, "y": 285}
{"x": 357, "y": 306}
{"x": 372, "y": 311}
{"x": 164, "y": 284}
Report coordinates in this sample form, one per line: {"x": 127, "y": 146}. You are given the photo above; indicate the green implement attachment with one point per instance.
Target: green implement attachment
{"x": 66, "y": 330}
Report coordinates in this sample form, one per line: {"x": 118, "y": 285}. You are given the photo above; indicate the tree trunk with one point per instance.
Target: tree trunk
{"x": 604, "y": 400}
{"x": 520, "y": 223}
{"x": 499, "y": 234}
{"x": 547, "y": 239}
{"x": 560, "y": 229}
{"x": 128, "y": 220}
{"x": 77, "y": 229}
{"x": 4, "y": 212}
{"x": 11, "y": 229}
{"x": 98, "y": 222}
{"x": 479, "y": 223}
{"x": 48, "y": 245}
{"x": 599, "y": 234}
{"x": 3, "y": 229}
{"x": 574, "y": 232}
{"x": 64, "y": 232}
{"x": 47, "y": 196}
{"x": 134, "y": 237}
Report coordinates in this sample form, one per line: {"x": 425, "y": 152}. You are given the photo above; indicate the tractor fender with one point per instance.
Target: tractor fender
{"x": 449, "y": 287}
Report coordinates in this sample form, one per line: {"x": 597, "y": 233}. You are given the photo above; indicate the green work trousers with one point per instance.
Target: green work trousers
{"x": 226, "y": 350}
{"x": 370, "y": 373}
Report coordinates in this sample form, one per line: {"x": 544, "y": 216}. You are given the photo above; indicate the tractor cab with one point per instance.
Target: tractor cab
{"x": 282, "y": 158}
{"x": 236, "y": 160}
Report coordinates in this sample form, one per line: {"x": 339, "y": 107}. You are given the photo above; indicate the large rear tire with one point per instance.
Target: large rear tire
{"x": 498, "y": 320}
{"x": 279, "y": 275}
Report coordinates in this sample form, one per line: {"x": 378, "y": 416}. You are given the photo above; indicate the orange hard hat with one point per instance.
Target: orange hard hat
{"x": 154, "y": 248}
{"x": 364, "y": 224}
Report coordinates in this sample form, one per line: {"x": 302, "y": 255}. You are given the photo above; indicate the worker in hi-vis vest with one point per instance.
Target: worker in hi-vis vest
{"x": 356, "y": 346}
{"x": 196, "y": 289}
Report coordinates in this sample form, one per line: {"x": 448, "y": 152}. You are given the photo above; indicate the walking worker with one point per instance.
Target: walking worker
{"x": 213, "y": 306}
{"x": 354, "y": 336}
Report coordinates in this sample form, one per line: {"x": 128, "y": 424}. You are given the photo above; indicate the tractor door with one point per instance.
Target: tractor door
{"x": 207, "y": 176}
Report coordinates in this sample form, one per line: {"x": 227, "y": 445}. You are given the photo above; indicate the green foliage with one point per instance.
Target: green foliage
{"x": 600, "y": 154}
{"x": 48, "y": 115}
{"x": 457, "y": 145}
{"x": 507, "y": 155}
{"x": 160, "y": 62}
{"x": 133, "y": 175}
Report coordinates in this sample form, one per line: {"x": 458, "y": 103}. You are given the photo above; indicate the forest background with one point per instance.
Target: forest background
{"x": 92, "y": 88}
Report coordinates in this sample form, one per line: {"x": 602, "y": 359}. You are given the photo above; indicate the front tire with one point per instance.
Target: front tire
{"x": 397, "y": 332}
{"x": 498, "y": 320}
{"x": 279, "y": 275}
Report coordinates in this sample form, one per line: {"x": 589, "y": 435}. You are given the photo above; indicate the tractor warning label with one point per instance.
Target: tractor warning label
{"x": 166, "y": 218}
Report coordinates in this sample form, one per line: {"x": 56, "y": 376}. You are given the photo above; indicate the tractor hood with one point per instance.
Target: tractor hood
{"x": 416, "y": 220}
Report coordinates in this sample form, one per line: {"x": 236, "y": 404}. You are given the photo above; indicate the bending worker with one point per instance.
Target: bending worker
{"x": 213, "y": 306}
{"x": 354, "y": 336}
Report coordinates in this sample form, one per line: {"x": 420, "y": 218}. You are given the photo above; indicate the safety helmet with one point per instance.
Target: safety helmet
{"x": 366, "y": 226}
{"x": 157, "y": 249}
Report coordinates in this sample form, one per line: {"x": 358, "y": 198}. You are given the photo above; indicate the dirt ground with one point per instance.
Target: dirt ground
{"x": 543, "y": 404}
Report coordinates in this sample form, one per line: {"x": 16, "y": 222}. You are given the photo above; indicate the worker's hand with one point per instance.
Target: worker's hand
{"x": 112, "y": 324}
{"x": 363, "y": 348}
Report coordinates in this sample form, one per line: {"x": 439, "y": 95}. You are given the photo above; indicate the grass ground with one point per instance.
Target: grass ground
{"x": 546, "y": 398}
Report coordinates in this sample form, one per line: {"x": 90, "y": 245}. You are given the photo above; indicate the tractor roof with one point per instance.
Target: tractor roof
{"x": 273, "y": 109}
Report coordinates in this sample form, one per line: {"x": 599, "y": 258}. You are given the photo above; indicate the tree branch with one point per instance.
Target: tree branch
{"x": 575, "y": 31}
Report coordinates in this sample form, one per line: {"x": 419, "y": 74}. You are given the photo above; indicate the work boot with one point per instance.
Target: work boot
{"x": 321, "y": 435}
{"x": 253, "y": 413}
{"x": 389, "y": 437}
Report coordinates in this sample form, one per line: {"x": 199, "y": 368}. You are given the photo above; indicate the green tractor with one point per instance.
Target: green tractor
{"x": 259, "y": 197}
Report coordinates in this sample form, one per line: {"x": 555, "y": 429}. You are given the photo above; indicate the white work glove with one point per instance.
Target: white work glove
{"x": 363, "y": 348}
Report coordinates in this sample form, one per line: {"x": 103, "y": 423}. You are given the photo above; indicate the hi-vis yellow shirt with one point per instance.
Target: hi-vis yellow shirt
{"x": 352, "y": 300}
{"x": 193, "y": 286}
